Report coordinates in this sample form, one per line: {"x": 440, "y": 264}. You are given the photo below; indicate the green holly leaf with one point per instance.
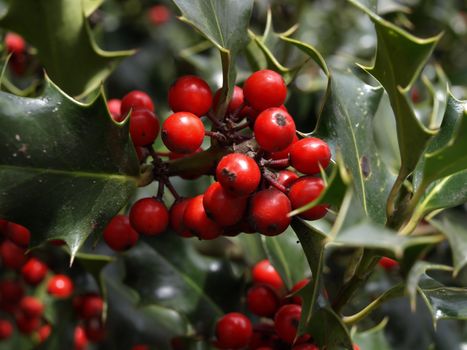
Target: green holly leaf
{"x": 170, "y": 273}
{"x": 286, "y": 255}
{"x": 373, "y": 338}
{"x": 90, "y": 6}
{"x": 66, "y": 167}
{"x": 65, "y": 44}
{"x": 328, "y": 330}
{"x": 225, "y": 24}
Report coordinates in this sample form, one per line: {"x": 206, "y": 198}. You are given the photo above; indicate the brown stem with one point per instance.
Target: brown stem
{"x": 216, "y": 122}
{"x": 171, "y": 188}
{"x": 202, "y": 162}
{"x": 273, "y": 182}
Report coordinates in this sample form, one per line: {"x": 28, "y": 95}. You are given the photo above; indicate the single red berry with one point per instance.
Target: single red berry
{"x": 119, "y": 235}
{"x": 6, "y": 329}
{"x": 44, "y": 332}
{"x": 305, "y": 347}
{"x": 274, "y": 129}
{"x": 264, "y": 337}
{"x": 176, "y": 217}
{"x": 286, "y": 322}
{"x": 18, "y": 234}
{"x": 142, "y": 153}
{"x": 196, "y": 220}
{"x": 3, "y": 226}
{"x": 114, "y": 106}
{"x": 285, "y": 153}
{"x": 91, "y": 306}
{"x": 265, "y": 89}
{"x": 218, "y": 202}
{"x": 308, "y": 154}
{"x": 268, "y": 211}
{"x": 11, "y": 292}
{"x": 286, "y": 177}
{"x": 233, "y": 331}
{"x": 235, "y": 102}
{"x": 238, "y": 174}
{"x": 94, "y": 329}
{"x": 305, "y": 190}
{"x": 80, "y": 339}
{"x": 262, "y": 301}
{"x": 140, "y": 347}
{"x": 296, "y": 299}
{"x": 135, "y": 100}
{"x": 60, "y": 286}
{"x": 264, "y": 273}
{"x": 149, "y": 216}
{"x": 144, "y": 127}
{"x": 15, "y": 43}
{"x": 355, "y": 347}
{"x": 190, "y": 94}
{"x": 12, "y": 255}
{"x": 183, "y": 132}
{"x": 159, "y": 14}
{"x": 34, "y": 271}
{"x": 25, "y": 324}
{"x": 388, "y": 263}
{"x": 31, "y": 307}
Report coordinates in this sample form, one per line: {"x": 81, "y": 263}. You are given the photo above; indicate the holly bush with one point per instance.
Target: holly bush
{"x": 112, "y": 237}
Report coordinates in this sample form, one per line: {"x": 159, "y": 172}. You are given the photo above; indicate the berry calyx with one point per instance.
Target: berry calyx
{"x": 60, "y": 286}
{"x": 190, "y": 94}
{"x": 18, "y": 234}
{"x": 34, "y": 271}
{"x": 268, "y": 212}
{"x": 218, "y": 202}
{"x": 264, "y": 273}
{"x": 262, "y": 301}
{"x": 119, "y": 235}
{"x": 144, "y": 127}
{"x": 233, "y": 331}
{"x": 183, "y": 132}
{"x": 238, "y": 174}
{"x": 6, "y": 329}
{"x": 274, "y": 129}
{"x": 305, "y": 190}
{"x": 149, "y": 216}
{"x": 308, "y": 154}
{"x": 196, "y": 220}
{"x": 286, "y": 322}
{"x": 134, "y": 101}
{"x": 265, "y": 89}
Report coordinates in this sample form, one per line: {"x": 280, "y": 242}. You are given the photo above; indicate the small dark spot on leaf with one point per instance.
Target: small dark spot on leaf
{"x": 365, "y": 166}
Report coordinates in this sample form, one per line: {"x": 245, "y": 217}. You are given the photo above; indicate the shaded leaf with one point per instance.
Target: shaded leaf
{"x": 66, "y": 168}
{"x": 90, "y": 6}
{"x": 373, "y": 338}
{"x": 329, "y": 331}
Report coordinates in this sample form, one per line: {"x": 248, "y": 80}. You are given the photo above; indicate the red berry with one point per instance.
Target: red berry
{"x": 94, "y": 329}
{"x": 11, "y": 292}
{"x": 238, "y": 174}
{"x": 25, "y": 324}
{"x": 135, "y": 100}
{"x": 196, "y": 220}
{"x": 114, "y": 106}
{"x": 119, "y": 235}
{"x": 355, "y": 347}
{"x": 3, "y": 226}
{"x": 18, "y": 234}
{"x": 190, "y": 94}
{"x": 286, "y": 322}
{"x": 34, "y": 271}
{"x": 264, "y": 273}
{"x": 286, "y": 177}
{"x": 218, "y": 202}
{"x": 80, "y": 339}
{"x": 268, "y": 211}
{"x": 12, "y": 255}
{"x": 285, "y": 153}
{"x": 298, "y": 286}
{"x": 91, "y": 306}
{"x": 388, "y": 263}
{"x": 274, "y": 129}
{"x": 159, "y": 14}
{"x": 306, "y": 155}
{"x": 144, "y": 127}
{"x": 31, "y": 307}
{"x": 183, "y": 132}
{"x": 264, "y": 337}
{"x": 140, "y": 347}
{"x": 60, "y": 286}
{"x": 235, "y": 102}
{"x": 44, "y": 332}
{"x": 15, "y": 43}
{"x": 233, "y": 331}
{"x": 262, "y": 301}
{"x": 250, "y": 113}
{"x": 176, "y": 217}
{"x": 6, "y": 329}
{"x": 265, "y": 89}
{"x": 149, "y": 216}
{"x": 305, "y": 347}
{"x": 305, "y": 190}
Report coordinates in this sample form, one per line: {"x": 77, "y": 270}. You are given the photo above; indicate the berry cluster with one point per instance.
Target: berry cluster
{"x": 279, "y": 313}
{"x": 256, "y": 143}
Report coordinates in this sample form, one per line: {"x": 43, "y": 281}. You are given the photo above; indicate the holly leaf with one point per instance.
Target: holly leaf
{"x": 328, "y": 330}
{"x": 373, "y": 338}
{"x": 90, "y": 6}
{"x": 225, "y": 24}
{"x": 170, "y": 273}
{"x": 65, "y": 44}
{"x": 66, "y": 168}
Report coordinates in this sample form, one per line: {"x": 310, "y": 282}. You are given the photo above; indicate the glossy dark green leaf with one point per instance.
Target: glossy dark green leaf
{"x": 65, "y": 44}
{"x": 66, "y": 168}
{"x": 373, "y": 338}
{"x": 90, "y": 6}
{"x": 170, "y": 273}
{"x": 328, "y": 330}
{"x": 286, "y": 254}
